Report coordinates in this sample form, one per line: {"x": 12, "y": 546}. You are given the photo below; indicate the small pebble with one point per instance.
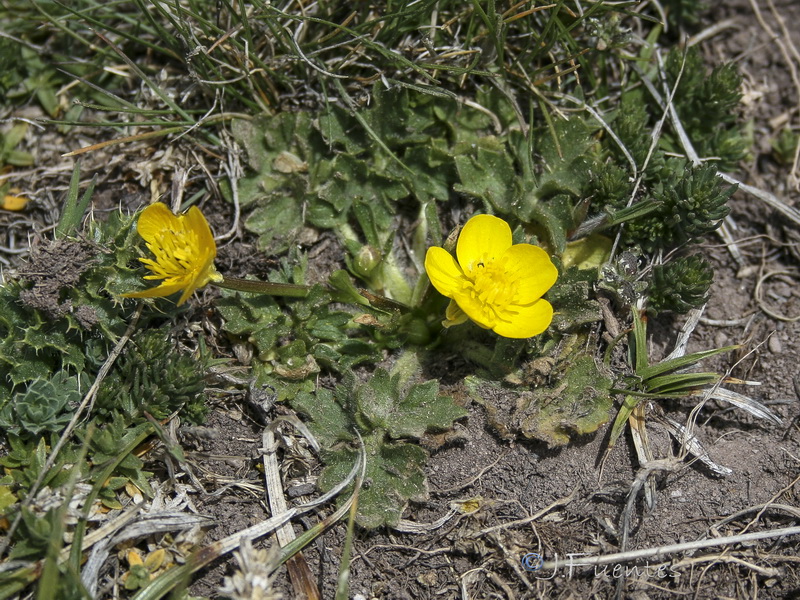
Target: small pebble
{"x": 721, "y": 339}
{"x": 304, "y": 489}
{"x": 774, "y": 344}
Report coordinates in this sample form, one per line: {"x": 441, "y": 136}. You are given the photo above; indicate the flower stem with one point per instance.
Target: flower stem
{"x": 264, "y": 287}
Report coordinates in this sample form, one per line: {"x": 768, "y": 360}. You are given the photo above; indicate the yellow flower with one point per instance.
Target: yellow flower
{"x": 184, "y": 251}
{"x": 13, "y": 202}
{"x": 496, "y": 284}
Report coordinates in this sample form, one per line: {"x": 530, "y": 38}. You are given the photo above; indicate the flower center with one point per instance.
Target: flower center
{"x": 492, "y": 288}
{"x": 176, "y": 252}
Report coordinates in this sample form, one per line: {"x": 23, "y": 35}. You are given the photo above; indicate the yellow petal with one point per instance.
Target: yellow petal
{"x": 443, "y": 271}
{"x": 532, "y": 269}
{"x": 202, "y": 275}
{"x": 196, "y": 222}
{"x": 156, "y": 219}
{"x": 527, "y": 321}
{"x": 483, "y": 239}
{"x": 165, "y": 289}
{"x": 481, "y": 314}
{"x": 454, "y": 315}
{"x": 14, "y": 202}
{"x": 189, "y": 289}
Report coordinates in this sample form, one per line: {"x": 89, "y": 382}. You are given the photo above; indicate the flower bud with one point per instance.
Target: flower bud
{"x": 367, "y": 260}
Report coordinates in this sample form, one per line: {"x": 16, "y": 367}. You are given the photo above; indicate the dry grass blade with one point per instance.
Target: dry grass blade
{"x": 644, "y": 475}
{"x": 792, "y": 511}
{"x": 145, "y": 525}
{"x": 726, "y": 234}
{"x": 754, "y": 407}
{"x": 123, "y": 140}
{"x": 606, "y": 127}
{"x": 692, "y": 445}
{"x": 655, "y": 137}
{"x": 536, "y": 516}
{"x": 770, "y": 199}
{"x": 763, "y": 508}
{"x": 638, "y": 426}
{"x": 682, "y": 342}
{"x": 406, "y": 526}
{"x": 300, "y": 575}
{"x": 207, "y": 554}
{"x": 767, "y": 198}
{"x": 786, "y": 276}
{"x": 663, "y": 551}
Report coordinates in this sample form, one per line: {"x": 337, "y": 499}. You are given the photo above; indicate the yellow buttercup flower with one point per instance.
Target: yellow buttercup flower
{"x": 183, "y": 248}
{"x": 497, "y": 284}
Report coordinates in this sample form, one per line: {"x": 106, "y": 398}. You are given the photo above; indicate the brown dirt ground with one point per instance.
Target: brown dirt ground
{"x": 478, "y": 556}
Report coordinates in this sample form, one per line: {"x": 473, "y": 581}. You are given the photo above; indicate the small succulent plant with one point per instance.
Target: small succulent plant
{"x": 680, "y": 285}
{"x": 43, "y": 406}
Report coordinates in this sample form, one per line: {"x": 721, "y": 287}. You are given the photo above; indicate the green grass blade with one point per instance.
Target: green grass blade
{"x": 104, "y": 24}
{"x": 625, "y": 411}
{"x": 343, "y": 581}
{"x": 648, "y": 372}
{"x": 73, "y": 210}
{"x": 638, "y": 345}
{"x": 151, "y": 84}
{"x": 680, "y": 383}
{"x": 49, "y": 580}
